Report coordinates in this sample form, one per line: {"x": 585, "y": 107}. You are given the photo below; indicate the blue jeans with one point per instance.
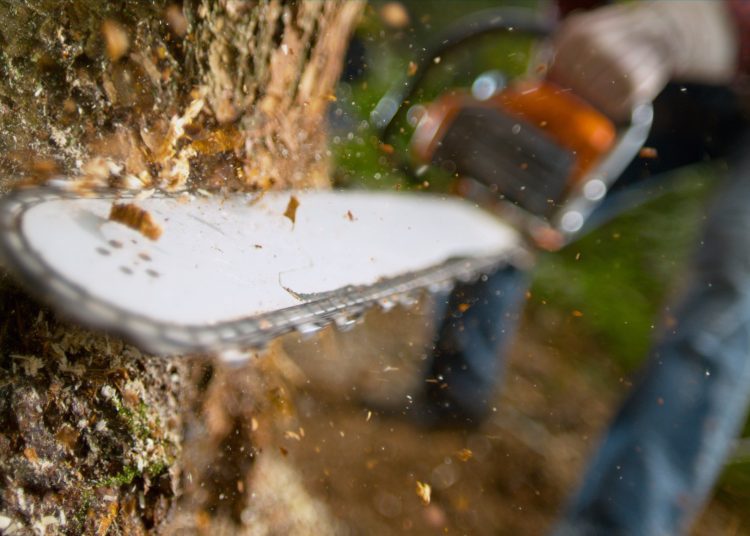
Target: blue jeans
{"x": 666, "y": 445}
{"x": 478, "y": 321}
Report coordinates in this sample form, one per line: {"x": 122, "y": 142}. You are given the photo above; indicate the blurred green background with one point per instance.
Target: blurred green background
{"x": 611, "y": 286}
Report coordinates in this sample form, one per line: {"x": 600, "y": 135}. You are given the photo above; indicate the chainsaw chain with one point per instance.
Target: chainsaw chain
{"x": 235, "y": 339}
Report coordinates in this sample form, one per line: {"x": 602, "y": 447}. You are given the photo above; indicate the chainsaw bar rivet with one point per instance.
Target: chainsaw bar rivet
{"x": 572, "y": 221}
{"x": 594, "y": 190}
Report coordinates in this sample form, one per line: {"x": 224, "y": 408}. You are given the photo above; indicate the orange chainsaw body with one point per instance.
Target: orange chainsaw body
{"x": 563, "y": 118}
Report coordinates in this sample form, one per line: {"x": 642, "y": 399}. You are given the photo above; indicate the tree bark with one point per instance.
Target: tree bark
{"x": 221, "y": 95}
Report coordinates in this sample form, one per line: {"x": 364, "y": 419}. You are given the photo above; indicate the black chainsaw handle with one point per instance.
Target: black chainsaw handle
{"x": 523, "y": 21}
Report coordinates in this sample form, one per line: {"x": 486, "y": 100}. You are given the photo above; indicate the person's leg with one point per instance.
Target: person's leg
{"x": 666, "y": 446}
{"x": 476, "y": 322}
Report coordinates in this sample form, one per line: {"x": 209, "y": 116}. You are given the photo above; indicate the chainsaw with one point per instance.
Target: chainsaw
{"x": 227, "y": 273}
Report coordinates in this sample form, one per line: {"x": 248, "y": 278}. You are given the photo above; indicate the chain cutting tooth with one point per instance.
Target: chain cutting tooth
{"x": 441, "y": 287}
{"x": 386, "y": 304}
{"x": 236, "y": 356}
{"x": 308, "y": 329}
{"x": 347, "y": 322}
{"x": 404, "y": 300}
{"x": 468, "y": 277}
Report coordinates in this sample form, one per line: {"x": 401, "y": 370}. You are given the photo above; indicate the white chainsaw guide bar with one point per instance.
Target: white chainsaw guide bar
{"x": 234, "y": 272}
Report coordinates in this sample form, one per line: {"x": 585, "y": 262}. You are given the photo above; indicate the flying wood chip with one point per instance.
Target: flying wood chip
{"x": 136, "y": 218}
{"x": 291, "y": 209}
{"x": 464, "y": 455}
{"x": 116, "y": 40}
{"x": 424, "y": 492}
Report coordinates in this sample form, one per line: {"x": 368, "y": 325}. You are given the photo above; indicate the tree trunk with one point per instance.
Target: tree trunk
{"x": 96, "y": 437}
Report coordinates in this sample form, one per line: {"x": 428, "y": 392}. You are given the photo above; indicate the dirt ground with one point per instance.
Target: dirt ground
{"x": 512, "y": 476}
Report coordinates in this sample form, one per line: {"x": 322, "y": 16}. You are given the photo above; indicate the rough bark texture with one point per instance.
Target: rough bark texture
{"x": 215, "y": 94}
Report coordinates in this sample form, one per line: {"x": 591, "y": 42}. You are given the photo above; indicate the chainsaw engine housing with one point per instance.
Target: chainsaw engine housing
{"x": 529, "y": 144}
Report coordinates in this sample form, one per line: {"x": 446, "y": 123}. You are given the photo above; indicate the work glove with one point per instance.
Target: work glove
{"x": 619, "y": 56}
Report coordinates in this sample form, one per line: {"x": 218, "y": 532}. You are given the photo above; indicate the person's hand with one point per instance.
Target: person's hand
{"x": 619, "y": 56}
